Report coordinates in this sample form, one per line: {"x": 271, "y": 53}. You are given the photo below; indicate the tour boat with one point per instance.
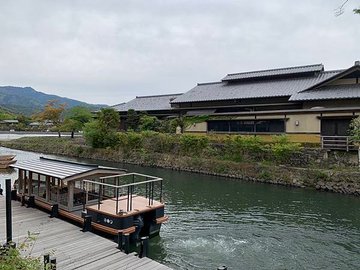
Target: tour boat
{"x": 115, "y": 201}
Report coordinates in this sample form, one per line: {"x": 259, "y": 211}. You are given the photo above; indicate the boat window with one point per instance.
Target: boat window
{"x": 79, "y": 193}
{"x": 54, "y": 188}
{"x": 35, "y": 183}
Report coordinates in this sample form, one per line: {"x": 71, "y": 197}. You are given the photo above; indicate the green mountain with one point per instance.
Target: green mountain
{"x": 27, "y": 101}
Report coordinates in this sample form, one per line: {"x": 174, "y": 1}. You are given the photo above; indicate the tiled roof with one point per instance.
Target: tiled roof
{"x": 254, "y": 89}
{"x": 275, "y": 72}
{"x": 329, "y": 92}
{"x": 147, "y": 103}
{"x": 57, "y": 168}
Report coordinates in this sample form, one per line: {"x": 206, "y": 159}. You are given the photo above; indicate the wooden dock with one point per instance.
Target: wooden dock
{"x": 72, "y": 248}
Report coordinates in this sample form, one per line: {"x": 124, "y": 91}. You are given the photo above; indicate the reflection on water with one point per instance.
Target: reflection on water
{"x": 216, "y": 221}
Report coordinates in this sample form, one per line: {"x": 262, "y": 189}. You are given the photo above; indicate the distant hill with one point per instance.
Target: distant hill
{"x": 27, "y": 101}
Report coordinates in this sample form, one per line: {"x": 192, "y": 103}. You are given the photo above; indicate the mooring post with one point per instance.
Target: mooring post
{"x": 222, "y": 268}
{"x": 127, "y": 243}
{"x": 49, "y": 262}
{"x": 46, "y": 261}
{"x": 8, "y": 211}
{"x": 120, "y": 241}
{"x": 14, "y": 195}
{"x": 54, "y": 211}
{"x": 1, "y": 190}
{"x": 31, "y": 201}
{"x": 144, "y": 248}
{"x": 53, "y": 263}
{"x": 22, "y": 200}
{"x": 87, "y": 223}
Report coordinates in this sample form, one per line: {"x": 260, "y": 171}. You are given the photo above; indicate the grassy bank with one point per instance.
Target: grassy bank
{"x": 240, "y": 158}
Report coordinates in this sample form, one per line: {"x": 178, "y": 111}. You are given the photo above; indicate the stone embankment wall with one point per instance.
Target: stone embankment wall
{"x": 312, "y": 168}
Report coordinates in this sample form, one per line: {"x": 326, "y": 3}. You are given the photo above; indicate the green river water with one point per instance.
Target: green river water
{"x": 216, "y": 221}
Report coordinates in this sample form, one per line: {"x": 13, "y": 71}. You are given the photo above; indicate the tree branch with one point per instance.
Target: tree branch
{"x": 340, "y": 10}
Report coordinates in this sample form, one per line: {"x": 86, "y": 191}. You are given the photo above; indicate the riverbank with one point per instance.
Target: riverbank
{"x": 315, "y": 175}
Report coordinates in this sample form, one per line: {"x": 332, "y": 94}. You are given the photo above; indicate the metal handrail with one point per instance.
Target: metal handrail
{"x": 126, "y": 185}
{"x": 149, "y": 185}
{"x": 127, "y": 174}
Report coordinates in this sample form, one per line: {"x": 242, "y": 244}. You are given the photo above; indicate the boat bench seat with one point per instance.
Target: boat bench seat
{"x": 161, "y": 219}
{"x": 43, "y": 205}
{"x": 112, "y": 231}
{"x": 71, "y": 216}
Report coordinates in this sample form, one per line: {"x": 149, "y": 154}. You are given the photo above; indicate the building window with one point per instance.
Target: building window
{"x": 240, "y": 126}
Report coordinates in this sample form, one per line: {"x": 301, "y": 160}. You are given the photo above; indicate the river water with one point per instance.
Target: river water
{"x": 216, "y": 221}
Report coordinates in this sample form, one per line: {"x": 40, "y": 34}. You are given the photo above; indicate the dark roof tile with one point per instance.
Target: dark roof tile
{"x": 329, "y": 92}
{"x": 147, "y": 103}
{"x": 274, "y": 72}
{"x": 253, "y": 89}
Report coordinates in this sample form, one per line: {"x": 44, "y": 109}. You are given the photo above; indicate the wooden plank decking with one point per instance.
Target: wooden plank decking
{"x": 72, "y": 248}
{"x": 139, "y": 204}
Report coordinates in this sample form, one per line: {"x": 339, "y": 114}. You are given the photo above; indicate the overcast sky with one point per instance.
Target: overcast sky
{"x": 111, "y": 51}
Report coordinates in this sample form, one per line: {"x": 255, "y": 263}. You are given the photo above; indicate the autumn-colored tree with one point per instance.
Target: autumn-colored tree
{"x": 52, "y": 112}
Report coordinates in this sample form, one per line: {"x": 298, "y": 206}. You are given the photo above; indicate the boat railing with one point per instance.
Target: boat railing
{"x": 124, "y": 187}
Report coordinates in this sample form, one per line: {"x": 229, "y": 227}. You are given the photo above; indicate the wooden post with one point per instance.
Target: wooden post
{"x": 70, "y": 186}
{"x": 47, "y": 186}
{"x": 21, "y": 181}
{"x": 58, "y": 190}
{"x": 30, "y": 187}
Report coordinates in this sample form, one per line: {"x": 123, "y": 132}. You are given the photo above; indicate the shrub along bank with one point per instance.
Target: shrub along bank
{"x": 247, "y": 158}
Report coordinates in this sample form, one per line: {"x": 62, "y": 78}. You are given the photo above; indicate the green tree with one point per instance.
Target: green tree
{"x": 80, "y": 114}
{"x": 148, "y": 122}
{"x": 109, "y": 118}
{"x": 132, "y": 120}
{"x": 355, "y": 129}
{"x": 102, "y": 132}
{"x": 75, "y": 119}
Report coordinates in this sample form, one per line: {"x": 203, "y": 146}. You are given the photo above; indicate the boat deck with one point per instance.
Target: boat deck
{"x": 139, "y": 204}
{"x": 72, "y": 248}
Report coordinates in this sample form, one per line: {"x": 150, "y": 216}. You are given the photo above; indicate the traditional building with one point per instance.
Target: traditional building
{"x": 158, "y": 105}
{"x": 305, "y": 102}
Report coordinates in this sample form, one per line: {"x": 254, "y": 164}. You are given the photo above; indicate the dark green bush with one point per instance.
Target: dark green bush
{"x": 191, "y": 144}
{"x": 282, "y": 148}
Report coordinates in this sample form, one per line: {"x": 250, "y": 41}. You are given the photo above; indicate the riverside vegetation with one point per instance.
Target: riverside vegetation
{"x": 248, "y": 158}
{"x": 244, "y": 157}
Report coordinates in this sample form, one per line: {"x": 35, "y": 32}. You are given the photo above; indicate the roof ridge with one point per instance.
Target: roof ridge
{"x": 274, "y": 69}
{"x": 164, "y": 95}
{"x": 334, "y": 70}
{"x": 122, "y": 103}
{"x": 69, "y": 162}
{"x": 209, "y": 83}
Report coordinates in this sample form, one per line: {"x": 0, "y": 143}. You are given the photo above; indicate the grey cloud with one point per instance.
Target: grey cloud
{"x": 111, "y": 51}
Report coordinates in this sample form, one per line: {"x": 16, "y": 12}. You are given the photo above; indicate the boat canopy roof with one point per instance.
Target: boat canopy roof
{"x": 64, "y": 170}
